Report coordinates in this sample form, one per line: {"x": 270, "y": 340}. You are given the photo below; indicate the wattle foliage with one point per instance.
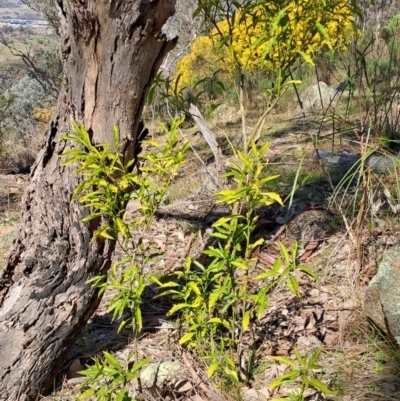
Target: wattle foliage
{"x": 272, "y": 34}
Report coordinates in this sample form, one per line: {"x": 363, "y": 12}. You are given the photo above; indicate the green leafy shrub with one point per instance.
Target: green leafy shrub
{"x": 107, "y": 185}
{"x": 218, "y": 301}
{"x": 215, "y": 300}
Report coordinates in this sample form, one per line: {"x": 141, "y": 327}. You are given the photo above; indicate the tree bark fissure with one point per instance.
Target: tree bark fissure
{"x": 111, "y": 52}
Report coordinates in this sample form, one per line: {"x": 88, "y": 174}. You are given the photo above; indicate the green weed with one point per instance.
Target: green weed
{"x": 107, "y": 186}
{"x": 214, "y": 300}
{"x": 303, "y": 371}
{"x": 217, "y": 301}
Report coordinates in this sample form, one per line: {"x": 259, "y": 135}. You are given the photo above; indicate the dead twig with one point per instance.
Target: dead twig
{"x": 277, "y": 234}
{"x": 188, "y": 245}
{"x": 211, "y": 141}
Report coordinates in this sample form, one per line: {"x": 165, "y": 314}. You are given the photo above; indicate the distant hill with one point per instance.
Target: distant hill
{"x": 15, "y": 9}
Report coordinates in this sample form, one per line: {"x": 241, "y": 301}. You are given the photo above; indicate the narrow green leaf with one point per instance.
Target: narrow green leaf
{"x": 88, "y": 393}
{"x": 220, "y": 236}
{"x": 212, "y": 369}
{"x": 240, "y": 264}
{"x": 306, "y": 57}
{"x": 257, "y": 243}
{"x": 298, "y": 356}
{"x": 186, "y": 337}
{"x": 308, "y": 271}
{"x": 272, "y": 195}
{"x": 194, "y": 287}
{"x": 232, "y": 373}
{"x": 229, "y": 360}
{"x": 293, "y": 285}
{"x": 284, "y": 252}
{"x": 277, "y": 20}
{"x": 288, "y": 377}
{"x": 224, "y": 322}
{"x": 324, "y": 33}
{"x": 315, "y": 356}
{"x": 223, "y": 220}
{"x": 138, "y": 319}
{"x": 139, "y": 365}
{"x": 111, "y": 360}
{"x": 318, "y": 385}
{"x": 246, "y": 320}
{"x": 178, "y": 307}
{"x": 284, "y": 360}
{"x": 105, "y": 234}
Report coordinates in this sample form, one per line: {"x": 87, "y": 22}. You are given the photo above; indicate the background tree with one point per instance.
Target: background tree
{"x": 48, "y": 10}
{"x": 111, "y": 52}
{"x": 30, "y": 79}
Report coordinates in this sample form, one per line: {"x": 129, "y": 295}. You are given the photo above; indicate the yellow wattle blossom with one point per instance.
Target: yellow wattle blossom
{"x": 259, "y": 40}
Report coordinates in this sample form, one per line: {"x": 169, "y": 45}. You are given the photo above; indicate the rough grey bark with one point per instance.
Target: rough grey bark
{"x": 111, "y": 51}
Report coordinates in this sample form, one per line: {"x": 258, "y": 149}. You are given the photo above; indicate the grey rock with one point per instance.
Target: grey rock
{"x": 382, "y": 300}
{"x": 319, "y": 96}
{"x": 76, "y": 381}
{"x": 160, "y": 373}
{"x": 381, "y": 164}
{"x": 337, "y": 159}
{"x": 378, "y": 163}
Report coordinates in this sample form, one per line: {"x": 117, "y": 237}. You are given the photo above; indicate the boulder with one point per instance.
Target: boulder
{"x": 382, "y": 300}
{"x": 336, "y": 159}
{"x": 159, "y": 374}
{"x": 320, "y": 96}
{"x": 377, "y": 162}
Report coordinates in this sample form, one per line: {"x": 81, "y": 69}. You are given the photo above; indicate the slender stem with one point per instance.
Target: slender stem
{"x": 261, "y": 121}
{"x": 249, "y": 229}
{"x": 243, "y": 113}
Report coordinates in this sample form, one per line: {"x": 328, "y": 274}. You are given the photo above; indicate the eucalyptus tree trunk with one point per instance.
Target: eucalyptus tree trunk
{"x": 111, "y": 50}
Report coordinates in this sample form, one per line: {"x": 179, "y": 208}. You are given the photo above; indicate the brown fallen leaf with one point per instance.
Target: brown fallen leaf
{"x": 282, "y": 352}
{"x": 357, "y": 349}
{"x": 314, "y": 293}
{"x": 188, "y": 245}
{"x": 309, "y": 249}
{"x": 74, "y": 368}
{"x": 347, "y": 370}
{"x": 160, "y": 241}
{"x": 312, "y": 245}
{"x": 254, "y": 395}
{"x": 331, "y": 339}
{"x": 305, "y": 256}
{"x": 179, "y": 234}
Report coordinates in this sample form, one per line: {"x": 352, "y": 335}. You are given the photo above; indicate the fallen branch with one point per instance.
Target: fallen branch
{"x": 211, "y": 141}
